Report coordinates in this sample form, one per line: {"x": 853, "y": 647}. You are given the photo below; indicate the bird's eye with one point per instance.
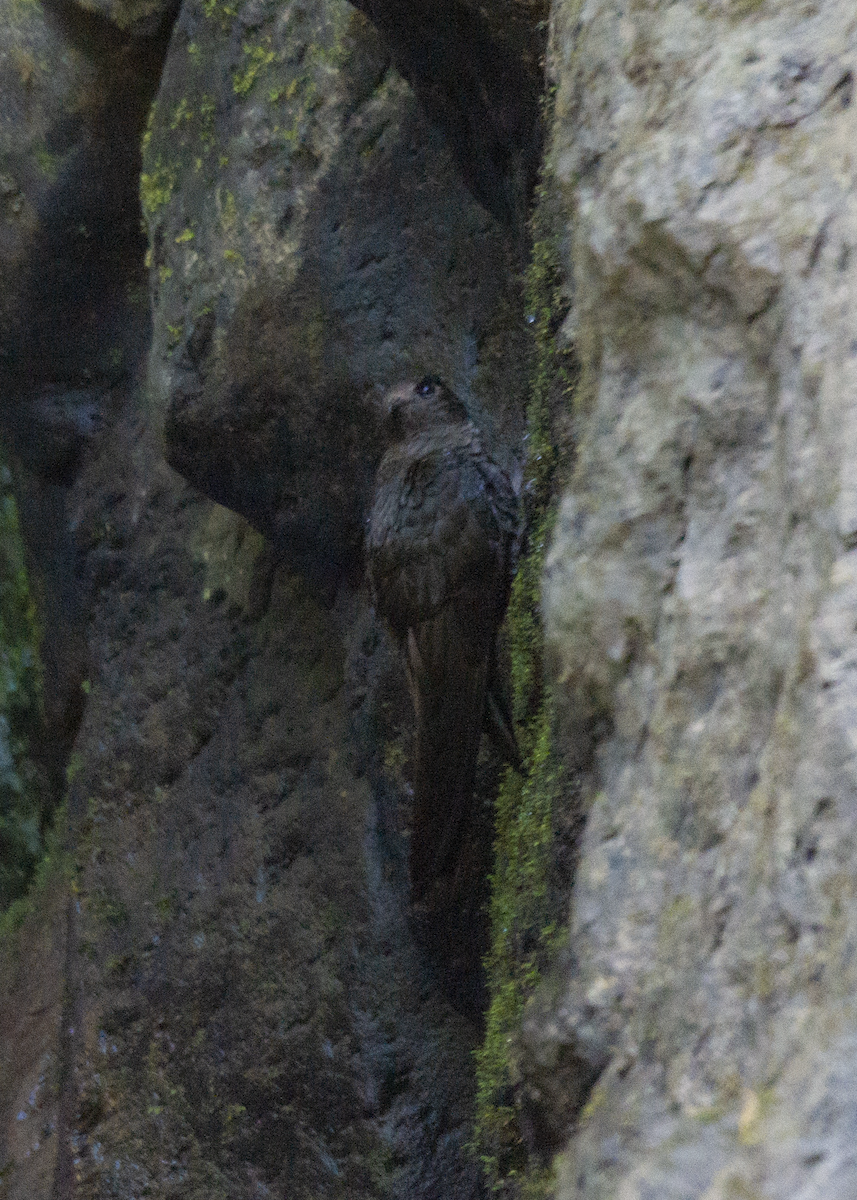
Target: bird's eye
{"x": 427, "y": 385}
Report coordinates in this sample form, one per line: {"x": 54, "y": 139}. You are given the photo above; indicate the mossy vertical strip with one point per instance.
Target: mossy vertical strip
{"x": 523, "y": 907}
{"x": 21, "y": 789}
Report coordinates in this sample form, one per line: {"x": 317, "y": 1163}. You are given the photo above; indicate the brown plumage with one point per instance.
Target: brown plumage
{"x": 440, "y": 540}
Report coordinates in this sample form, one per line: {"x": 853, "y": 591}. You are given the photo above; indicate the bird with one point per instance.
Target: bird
{"x": 440, "y": 547}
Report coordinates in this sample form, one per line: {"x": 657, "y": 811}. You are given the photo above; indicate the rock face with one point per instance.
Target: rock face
{"x": 229, "y": 1002}
{"x": 73, "y": 317}
{"x": 700, "y": 596}
{"x": 212, "y": 990}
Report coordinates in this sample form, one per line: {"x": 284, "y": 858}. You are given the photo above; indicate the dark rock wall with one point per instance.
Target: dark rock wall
{"x": 73, "y": 316}
{"x": 213, "y": 989}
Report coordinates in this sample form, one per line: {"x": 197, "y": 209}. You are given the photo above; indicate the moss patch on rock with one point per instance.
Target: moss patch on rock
{"x": 22, "y": 798}
{"x": 523, "y": 908}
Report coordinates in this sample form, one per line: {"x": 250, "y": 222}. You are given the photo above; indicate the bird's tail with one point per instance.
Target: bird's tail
{"x": 498, "y": 716}
{"x": 448, "y": 671}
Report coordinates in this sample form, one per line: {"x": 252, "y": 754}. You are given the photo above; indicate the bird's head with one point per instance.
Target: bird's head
{"x": 412, "y": 407}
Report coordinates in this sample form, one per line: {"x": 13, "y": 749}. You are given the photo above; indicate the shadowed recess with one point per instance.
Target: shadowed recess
{"x": 481, "y": 91}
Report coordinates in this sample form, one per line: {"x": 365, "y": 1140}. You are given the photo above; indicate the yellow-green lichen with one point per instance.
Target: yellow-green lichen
{"x": 206, "y": 121}
{"x": 150, "y": 125}
{"x": 228, "y": 549}
{"x": 283, "y": 91}
{"x": 523, "y": 907}
{"x": 182, "y": 113}
{"x": 345, "y": 25}
{"x": 216, "y": 10}
{"x": 19, "y": 9}
{"x": 228, "y": 211}
{"x": 25, "y": 65}
{"x": 157, "y": 187}
{"x": 257, "y": 59}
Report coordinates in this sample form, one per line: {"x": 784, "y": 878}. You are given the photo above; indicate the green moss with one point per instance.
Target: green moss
{"x": 54, "y": 865}
{"x": 524, "y": 935}
{"x": 523, "y": 903}
{"x": 22, "y": 794}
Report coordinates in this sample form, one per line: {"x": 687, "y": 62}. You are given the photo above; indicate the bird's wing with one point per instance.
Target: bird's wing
{"x": 439, "y": 548}
{"x": 441, "y": 532}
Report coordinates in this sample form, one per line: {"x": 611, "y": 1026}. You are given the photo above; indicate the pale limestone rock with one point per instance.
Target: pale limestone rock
{"x": 701, "y": 593}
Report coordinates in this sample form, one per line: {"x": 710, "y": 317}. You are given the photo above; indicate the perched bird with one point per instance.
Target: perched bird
{"x": 440, "y": 542}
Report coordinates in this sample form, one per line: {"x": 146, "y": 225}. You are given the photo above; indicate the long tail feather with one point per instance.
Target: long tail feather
{"x": 448, "y": 675}
{"x": 498, "y": 717}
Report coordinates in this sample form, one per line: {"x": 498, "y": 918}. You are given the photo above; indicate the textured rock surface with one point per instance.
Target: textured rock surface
{"x": 700, "y": 596}
{"x": 230, "y": 1001}
{"x": 233, "y": 951}
{"x": 73, "y": 315}
{"x": 237, "y": 1026}
{"x": 476, "y": 71}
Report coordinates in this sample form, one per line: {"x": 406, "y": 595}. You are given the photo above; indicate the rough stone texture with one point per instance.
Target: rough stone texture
{"x": 215, "y": 992}
{"x": 476, "y": 71}
{"x": 73, "y": 316}
{"x": 42, "y": 82}
{"x": 230, "y": 1001}
{"x": 31, "y": 1013}
{"x": 239, "y": 1028}
{"x": 76, "y": 97}
{"x": 701, "y": 597}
